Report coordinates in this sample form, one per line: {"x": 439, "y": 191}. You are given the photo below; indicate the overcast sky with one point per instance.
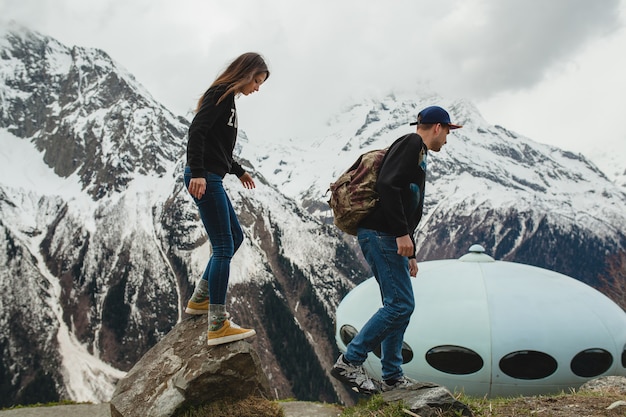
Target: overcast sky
{"x": 552, "y": 70}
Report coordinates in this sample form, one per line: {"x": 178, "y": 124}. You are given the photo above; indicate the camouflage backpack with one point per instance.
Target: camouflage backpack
{"x": 353, "y": 195}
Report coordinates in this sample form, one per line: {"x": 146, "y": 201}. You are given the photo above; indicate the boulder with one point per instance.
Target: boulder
{"x": 615, "y": 384}
{"x": 427, "y": 400}
{"x": 181, "y": 371}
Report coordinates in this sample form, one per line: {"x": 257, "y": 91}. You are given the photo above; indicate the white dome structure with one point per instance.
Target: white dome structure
{"x": 494, "y": 328}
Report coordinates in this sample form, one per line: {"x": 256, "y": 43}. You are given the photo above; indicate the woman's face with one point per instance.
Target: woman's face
{"x": 254, "y": 84}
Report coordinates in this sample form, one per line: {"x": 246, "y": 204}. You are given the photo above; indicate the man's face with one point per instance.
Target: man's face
{"x": 440, "y": 137}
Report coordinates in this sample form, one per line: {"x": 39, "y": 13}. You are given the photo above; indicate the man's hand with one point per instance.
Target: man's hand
{"x": 413, "y": 267}
{"x": 405, "y": 246}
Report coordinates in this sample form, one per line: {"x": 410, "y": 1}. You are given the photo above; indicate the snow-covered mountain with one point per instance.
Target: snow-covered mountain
{"x": 612, "y": 161}
{"x": 100, "y": 245}
{"x": 522, "y": 200}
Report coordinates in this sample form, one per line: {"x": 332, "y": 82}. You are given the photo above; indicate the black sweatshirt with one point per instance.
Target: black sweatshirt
{"x": 400, "y": 186}
{"x": 212, "y": 136}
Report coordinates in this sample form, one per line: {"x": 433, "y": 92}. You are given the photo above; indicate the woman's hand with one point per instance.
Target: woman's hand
{"x": 197, "y": 187}
{"x": 247, "y": 181}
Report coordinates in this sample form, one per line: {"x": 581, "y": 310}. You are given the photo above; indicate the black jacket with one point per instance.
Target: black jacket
{"x": 400, "y": 186}
{"x": 212, "y": 136}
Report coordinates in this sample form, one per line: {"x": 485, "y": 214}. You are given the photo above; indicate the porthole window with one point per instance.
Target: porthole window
{"x": 592, "y": 362}
{"x": 347, "y": 333}
{"x": 528, "y": 364}
{"x": 407, "y": 353}
{"x": 455, "y": 360}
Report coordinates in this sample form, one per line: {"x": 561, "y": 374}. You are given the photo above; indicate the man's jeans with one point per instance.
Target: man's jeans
{"x": 225, "y": 234}
{"x": 387, "y": 326}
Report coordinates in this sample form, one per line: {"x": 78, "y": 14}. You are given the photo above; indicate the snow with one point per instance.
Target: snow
{"x": 296, "y": 169}
{"x": 58, "y": 60}
{"x": 610, "y": 158}
{"x": 87, "y": 378}
{"x": 503, "y": 169}
{"x": 22, "y": 167}
{"x": 481, "y": 167}
{"x": 322, "y": 159}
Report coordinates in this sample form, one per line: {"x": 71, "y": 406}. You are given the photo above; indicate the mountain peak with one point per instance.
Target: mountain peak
{"x": 87, "y": 114}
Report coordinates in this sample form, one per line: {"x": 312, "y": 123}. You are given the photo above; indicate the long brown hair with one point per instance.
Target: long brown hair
{"x": 240, "y": 72}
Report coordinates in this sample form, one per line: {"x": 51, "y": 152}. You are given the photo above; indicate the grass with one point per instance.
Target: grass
{"x": 52, "y": 404}
{"x": 375, "y": 406}
{"x": 573, "y": 404}
{"x": 249, "y": 407}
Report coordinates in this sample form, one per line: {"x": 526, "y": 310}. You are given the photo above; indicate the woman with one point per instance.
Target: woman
{"x": 212, "y": 137}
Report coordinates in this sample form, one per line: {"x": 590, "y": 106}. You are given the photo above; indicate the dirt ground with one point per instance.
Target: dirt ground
{"x": 579, "y": 405}
{"x": 574, "y": 405}
{"x": 291, "y": 409}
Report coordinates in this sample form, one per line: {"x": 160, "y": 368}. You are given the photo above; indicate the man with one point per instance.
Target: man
{"x": 387, "y": 242}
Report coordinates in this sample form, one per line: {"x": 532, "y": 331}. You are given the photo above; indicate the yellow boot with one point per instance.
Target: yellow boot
{"x": 197, "y": 308}
{"x": 227, "y": 334}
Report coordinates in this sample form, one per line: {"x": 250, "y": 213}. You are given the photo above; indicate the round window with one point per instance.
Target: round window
{"x": 591, "y": 362}
{"x": 528, "y": 364}
{"x": 455, "y": 360}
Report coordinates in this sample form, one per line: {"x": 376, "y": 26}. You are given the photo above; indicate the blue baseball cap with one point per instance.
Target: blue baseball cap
{"x": 434, "y": 115}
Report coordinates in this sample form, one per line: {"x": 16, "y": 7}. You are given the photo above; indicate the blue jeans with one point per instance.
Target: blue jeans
{"x": 387, "y": 326}
{"x": 225, "y": 234}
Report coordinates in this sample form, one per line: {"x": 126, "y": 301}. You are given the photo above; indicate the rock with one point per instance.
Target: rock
{"x": 426, "y": 399}
{"x": 181, "y": 371}
{"x": 615, "y": 384}
{"x": 310, "y": 409}
{"x": 616, "y": 404}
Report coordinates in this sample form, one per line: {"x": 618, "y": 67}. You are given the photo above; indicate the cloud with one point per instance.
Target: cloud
{"x": 325, "y": 53}
{"x": 575, "y": 107}
{"x": 507, "y": 45}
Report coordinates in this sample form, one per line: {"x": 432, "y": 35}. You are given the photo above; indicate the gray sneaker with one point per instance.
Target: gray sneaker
{"x": 402, "y": 383}
{"x": 355, "y": 376}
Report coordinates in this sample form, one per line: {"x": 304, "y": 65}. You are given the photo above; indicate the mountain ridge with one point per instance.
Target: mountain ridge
{"x": 100, "y": 233}
{"x": 482, "y": 169}
{"x": 80, "y": 96}
{"x": 123, "y": 245}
